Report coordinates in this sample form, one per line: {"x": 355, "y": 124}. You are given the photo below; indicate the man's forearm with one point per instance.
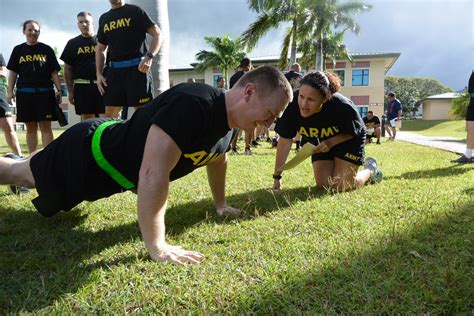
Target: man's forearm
{"x": 156, "y": 39}
{"x": 216, "y": 172}
{"x": 283, "y": 149}
{"x": 68, "y": 77}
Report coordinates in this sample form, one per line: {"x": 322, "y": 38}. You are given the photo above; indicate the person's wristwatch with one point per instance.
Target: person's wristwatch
{"x": 149, "y": 55}
{"x": 277, "y": 176}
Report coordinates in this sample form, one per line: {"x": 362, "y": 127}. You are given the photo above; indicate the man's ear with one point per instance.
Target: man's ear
{"x": 249, "y": 90}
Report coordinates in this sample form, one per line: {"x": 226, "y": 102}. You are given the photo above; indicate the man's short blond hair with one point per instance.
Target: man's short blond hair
{"x": 268, "y": 80}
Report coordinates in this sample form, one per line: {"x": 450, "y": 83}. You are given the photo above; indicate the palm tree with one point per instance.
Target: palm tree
{"x": 323, "y": 17}
{"x": 158, "y": 12}
{"x": 272, "y": 14}
{"x": 333, "y": 49}
{"x": 226, "y": 54}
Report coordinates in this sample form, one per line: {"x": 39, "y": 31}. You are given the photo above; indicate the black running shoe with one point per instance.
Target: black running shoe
{"x": 14, "y": 189}
{"x": 462, "y": 159}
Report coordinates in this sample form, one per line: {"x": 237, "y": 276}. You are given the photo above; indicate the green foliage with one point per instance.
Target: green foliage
{"x": 226, "y": 54}
{"x": 412, "y": 91}
{"x": 459, "y": 105}
{"x": 436, "y": 128}
{"x": 403, "y": 246}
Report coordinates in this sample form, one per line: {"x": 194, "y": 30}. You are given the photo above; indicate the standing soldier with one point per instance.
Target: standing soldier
{"x": 122, "y": 31}
{"x": 79, "y": 70}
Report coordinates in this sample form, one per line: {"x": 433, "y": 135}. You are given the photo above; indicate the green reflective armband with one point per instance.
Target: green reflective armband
{"x": 102, "y": 161}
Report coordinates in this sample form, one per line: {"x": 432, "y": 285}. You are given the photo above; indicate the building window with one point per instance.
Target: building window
{"x": 215, "y": 78}
{"x": 362, "y": 110}
{"x": 360, "y": 77}
{"x": 342, "y": 75}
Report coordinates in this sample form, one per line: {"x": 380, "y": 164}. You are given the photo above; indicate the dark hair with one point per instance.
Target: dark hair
{"x": 327, "y": 83}
{"x": 370, "y": 112}
{"x": 84, "y": 14}
{"x": 244, "y": 62}
{"x": 28, "y": 22}
{"x": 391, "y": 94}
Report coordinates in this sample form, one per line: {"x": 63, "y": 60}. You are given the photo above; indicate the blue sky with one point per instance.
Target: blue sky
{"x": 435, "y": 37}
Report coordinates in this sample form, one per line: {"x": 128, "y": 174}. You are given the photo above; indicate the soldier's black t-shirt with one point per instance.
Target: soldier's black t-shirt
{"x": 79, "y": 53}
{"x": 235, "y": 77}
{"x": 371, "y": 123}
{"x": 193, "y": 115}
{"x": 337, "y": 116}
{"x": 124, "y": 31}
{"x": 33, "y": 64}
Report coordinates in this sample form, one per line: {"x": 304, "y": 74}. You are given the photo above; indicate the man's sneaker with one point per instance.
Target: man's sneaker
{"x": 274, "y": 142}
{"x": 248, "y": 152}
{"x": 254, "y": 143}
{"x": 377, "y": 174}
{"x": 462, "y": 159}
{"x": 14, "y": 189}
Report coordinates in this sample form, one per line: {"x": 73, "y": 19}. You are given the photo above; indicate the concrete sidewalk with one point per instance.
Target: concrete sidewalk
{"x": 441, "y": 142}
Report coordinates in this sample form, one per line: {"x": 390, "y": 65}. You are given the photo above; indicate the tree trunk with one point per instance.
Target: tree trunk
{"x": 158, "y": 12}
{"x": 293, "y": 46}
{"x": 319, "y": 55}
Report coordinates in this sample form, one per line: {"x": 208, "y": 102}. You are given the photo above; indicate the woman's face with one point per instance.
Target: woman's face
{"x": 32, "y": 32}
{"x": 310, "y": 100}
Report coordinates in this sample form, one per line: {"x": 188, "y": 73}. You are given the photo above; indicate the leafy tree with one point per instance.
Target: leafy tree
{"x": 412, "y": 91}
{"x": 459, "y": 105}
{"x": 226, "y": 54}
{"x": 322, "y": 18}
{"x": 272, "y": 13}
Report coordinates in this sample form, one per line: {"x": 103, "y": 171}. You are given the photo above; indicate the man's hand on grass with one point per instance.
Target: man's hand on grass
{"x": 176, "y": 255}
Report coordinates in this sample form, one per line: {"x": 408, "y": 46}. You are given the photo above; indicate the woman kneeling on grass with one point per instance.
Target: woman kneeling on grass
{"x": 328, "y": 120}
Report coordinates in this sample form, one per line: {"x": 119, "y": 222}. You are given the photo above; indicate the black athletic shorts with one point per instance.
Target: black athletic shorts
{"x": 128, "y": 87}
{"x": 87, "y": 99}
{"x": 35, "y": 107}
{"x": 4, "y": 106}
{"x": 66, "y": 173}
{"x": 352, "y": 151}
{"x": 470, "y": 110}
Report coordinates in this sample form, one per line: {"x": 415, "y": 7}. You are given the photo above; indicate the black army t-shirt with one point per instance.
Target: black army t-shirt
{"x": 371, "y": 123}
{"x": 193, "y": 115}
{"x": 337, "y": 116}
{"x": 235, "y": 77}
{"x": 124, "y": 31}
{"x": 34, "y": 65}
{"x": 79, "y": 53}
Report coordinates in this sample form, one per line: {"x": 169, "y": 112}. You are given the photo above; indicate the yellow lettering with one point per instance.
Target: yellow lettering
{"x": 196, "y": 157}
{"x": 313, "y": 132}
{"x": 120, "y": 23}
{"x": 112, "y": 25}
{"x": 106, "y": 28}
{"x": 80, "y": 51}
{"x": 87, "y": 49}
{"x": 144, "y": 100}
{"x": 336, "y": 130}
{"x": 29, "y": 58}
{"x": 207, "y": 160}
{"x": 351, "y": 157}
{"x": 326, "y": 132}
{"x": 303, "y": 131}
{"x": 22, "y": 60}
{"x": 128, "y": 21}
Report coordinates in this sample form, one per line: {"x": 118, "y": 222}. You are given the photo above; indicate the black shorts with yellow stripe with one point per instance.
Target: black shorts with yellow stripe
{"x": 128, "y": 87}
{"x": 352, "y": 151}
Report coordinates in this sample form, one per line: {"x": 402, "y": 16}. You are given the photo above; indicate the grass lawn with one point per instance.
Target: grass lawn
{"x": 404, "y": 245}
{"x": 456, "y": 129}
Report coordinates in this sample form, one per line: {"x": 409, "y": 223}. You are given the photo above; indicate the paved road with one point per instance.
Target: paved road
{"x": 442, "y": 142}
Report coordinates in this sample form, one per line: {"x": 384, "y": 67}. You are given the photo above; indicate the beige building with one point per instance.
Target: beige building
{"x": 363, "y": 81}
{"x": 438, "y": 107}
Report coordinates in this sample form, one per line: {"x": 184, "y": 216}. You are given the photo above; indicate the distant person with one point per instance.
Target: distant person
{"x": 468, "y": 157}
{"x": 372, "y": 123}
{"x": 245, "y": 66}
{"x": 35, "y": 66}
{"x": 6, "y": 121}
{"x": 127, "y": 81}
{"x": 221, "y": 84}
{"x": 191, "y": 80}
{"x": 79, "y": 70}
{"x": 187, "y": 127}
{"x": 294, "y": 75}
{"x": 329, "y": 121}
{"x": 394, "y": 114}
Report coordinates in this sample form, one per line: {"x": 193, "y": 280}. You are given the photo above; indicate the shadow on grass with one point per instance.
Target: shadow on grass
{"x": 253, "y": 204}
{"x": 451, "y": 170}
{"x": 424, "y": 270}
{"x": 42, "y": 258}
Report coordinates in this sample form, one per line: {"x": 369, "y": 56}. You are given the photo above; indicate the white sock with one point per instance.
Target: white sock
{"x": 468, "y": 152}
